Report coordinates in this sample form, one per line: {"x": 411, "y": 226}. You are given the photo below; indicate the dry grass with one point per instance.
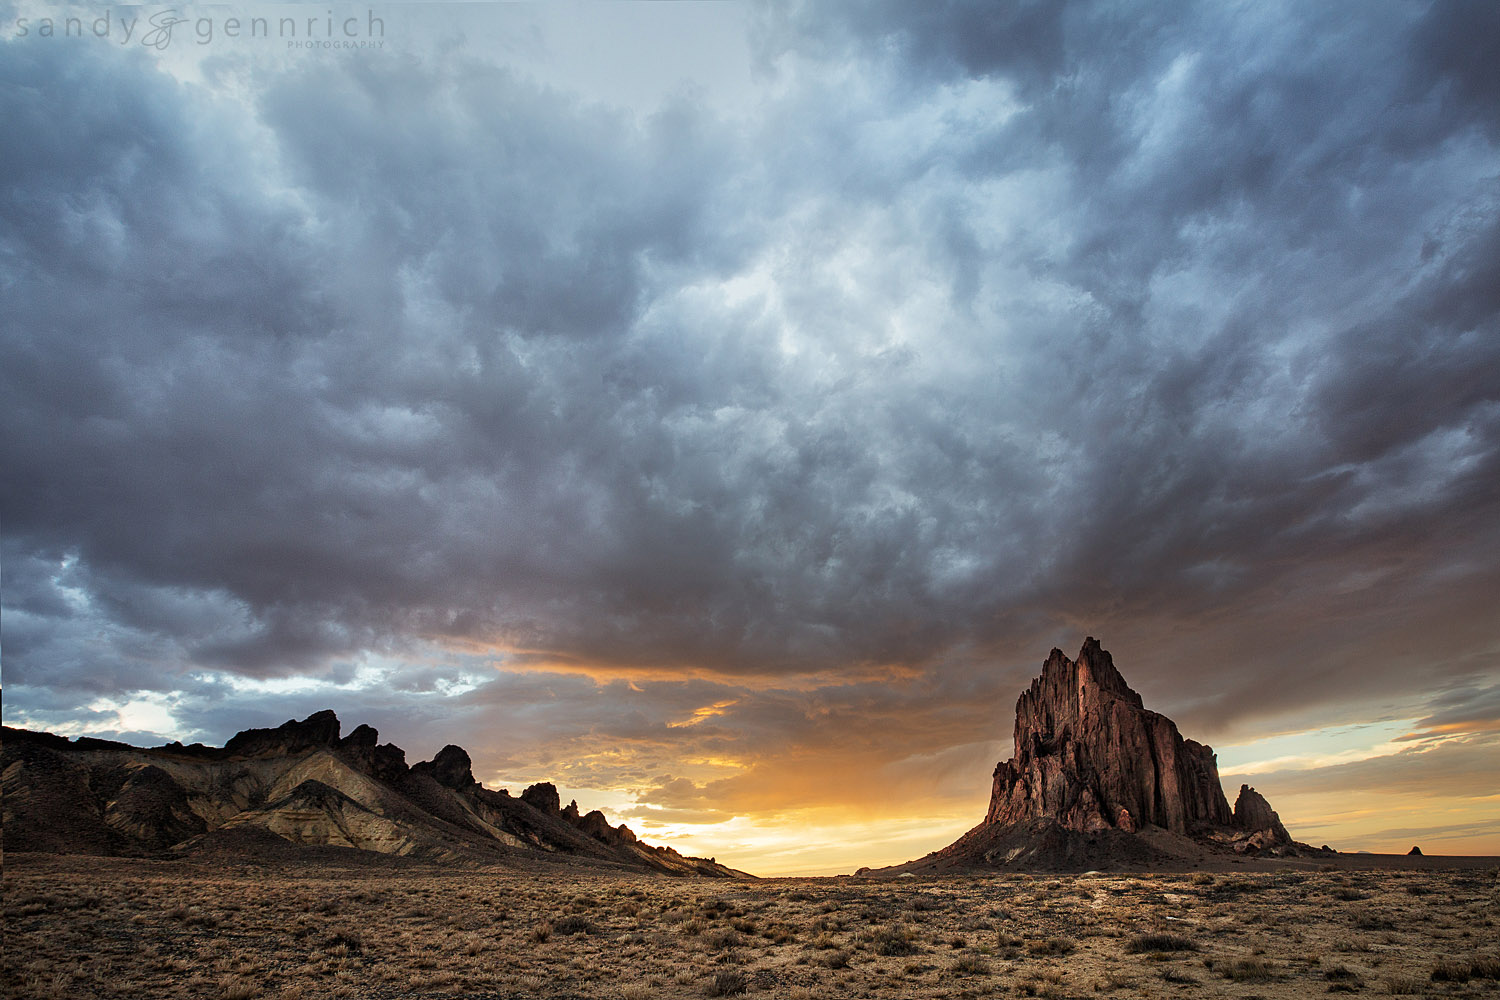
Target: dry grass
{"x": 727, "y": 983}
{"x": 1252, "y": 970}
{"x": 102, "y": 928}
{"x": 1158, "y": 942}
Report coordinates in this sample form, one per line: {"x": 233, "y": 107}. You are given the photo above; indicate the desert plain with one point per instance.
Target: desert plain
{"x": 339, "y": 924}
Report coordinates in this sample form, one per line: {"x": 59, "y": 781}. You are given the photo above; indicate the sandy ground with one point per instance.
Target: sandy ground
{"x": 89, "y": 927}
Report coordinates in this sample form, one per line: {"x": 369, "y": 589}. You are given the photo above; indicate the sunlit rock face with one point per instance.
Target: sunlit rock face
{"x": 1099, "y": 782}
{"x": 1091, "y": 757}
{"x": 297, "y": 785}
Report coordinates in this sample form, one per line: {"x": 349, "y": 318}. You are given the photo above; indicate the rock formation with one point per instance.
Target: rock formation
{"x": 296, "y": 784}
{"x": 543, "y": 796}
{"x": 1098, "y": 779}
{"x": 1090, "y": 756}
{"x": 451, "y": 768}
{"x": 1254, "y": 815}
{"x": 317, "y": 730}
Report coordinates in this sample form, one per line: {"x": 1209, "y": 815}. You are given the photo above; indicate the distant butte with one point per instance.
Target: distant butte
{"x": 283, "y": 792}
{"x": 1100, "y": 781}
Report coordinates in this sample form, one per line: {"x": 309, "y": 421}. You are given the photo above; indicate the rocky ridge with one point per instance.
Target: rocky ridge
{"x": 300, "y": 783}
{"x": 1098, "y": 780}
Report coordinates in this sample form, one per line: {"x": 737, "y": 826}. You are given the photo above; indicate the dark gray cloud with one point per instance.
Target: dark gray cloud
{"x": 1467, "y": 709}
{"x": 980, "y": 332}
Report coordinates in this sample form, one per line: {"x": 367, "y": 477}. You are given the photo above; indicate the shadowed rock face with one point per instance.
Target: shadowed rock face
{"x": 543, "y": 796}
{"x": 1090, "y": 756}
{"x": 451, "y": 768}
{"x": 363, "y": 736}
{"x": 320, "y": 729}
{"x": 152, "y": 808}
{"x": 1253, "y": 813}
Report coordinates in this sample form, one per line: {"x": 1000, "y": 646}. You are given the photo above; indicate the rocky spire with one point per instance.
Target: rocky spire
{"x": 1253, "y": 814}
{"x": 1088, "y": 754}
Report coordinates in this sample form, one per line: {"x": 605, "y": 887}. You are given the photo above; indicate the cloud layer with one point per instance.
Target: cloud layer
{"x": 969, "y": 334}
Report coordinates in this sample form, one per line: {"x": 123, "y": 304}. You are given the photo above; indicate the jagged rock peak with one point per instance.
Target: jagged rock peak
{"x": 595, "y": 825}
{"x": 1094, "y": 667}
{"x": 320, "y": 729}
{"x": 451, "y": 768}
{"x": 363, "y": 736}
{"x": 1254, "y": 814}
{"x": 1090, "y": 756}
{"x": 543, "y": 795}
{"x": 103, "y": 797}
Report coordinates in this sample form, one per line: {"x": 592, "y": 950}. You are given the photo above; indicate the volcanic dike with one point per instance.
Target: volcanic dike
{"x": 1100, "y": 781}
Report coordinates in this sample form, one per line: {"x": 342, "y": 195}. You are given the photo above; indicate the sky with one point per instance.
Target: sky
{"x": 721, "y": 410}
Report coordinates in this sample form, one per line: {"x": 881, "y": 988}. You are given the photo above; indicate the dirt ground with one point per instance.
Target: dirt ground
{"x": 80, "y": 927}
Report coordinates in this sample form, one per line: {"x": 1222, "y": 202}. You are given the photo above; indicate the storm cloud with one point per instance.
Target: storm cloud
{"x": 972, "y": 332}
